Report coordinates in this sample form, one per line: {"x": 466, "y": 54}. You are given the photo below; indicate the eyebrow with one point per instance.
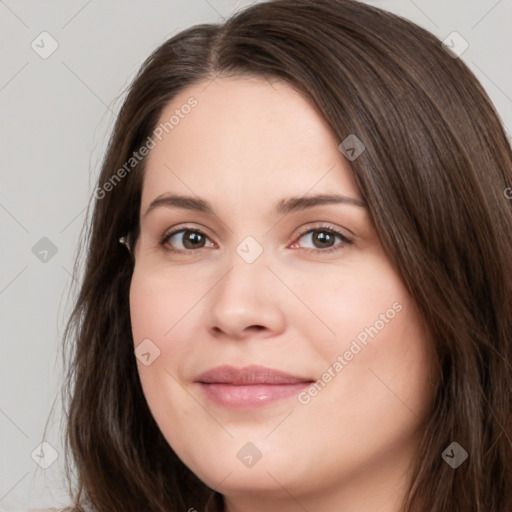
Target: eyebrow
{"x": 283, "y": 206}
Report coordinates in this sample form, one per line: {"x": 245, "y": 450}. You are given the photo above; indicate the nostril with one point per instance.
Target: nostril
{"x": 256, "y": 327}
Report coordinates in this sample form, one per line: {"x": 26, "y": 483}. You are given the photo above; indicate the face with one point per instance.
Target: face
{"x": 278, "y": 349}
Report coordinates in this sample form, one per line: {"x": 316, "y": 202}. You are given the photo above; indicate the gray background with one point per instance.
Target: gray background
{"x": 56, "y": 117}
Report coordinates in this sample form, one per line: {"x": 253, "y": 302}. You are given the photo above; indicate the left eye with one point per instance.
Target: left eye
{"x": 325, "y": 238}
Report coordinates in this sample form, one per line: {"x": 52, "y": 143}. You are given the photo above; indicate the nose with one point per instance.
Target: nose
{"x": 245, "y": 302}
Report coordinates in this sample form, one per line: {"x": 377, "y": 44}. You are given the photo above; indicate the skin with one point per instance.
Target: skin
{"x": 247, "y": 145}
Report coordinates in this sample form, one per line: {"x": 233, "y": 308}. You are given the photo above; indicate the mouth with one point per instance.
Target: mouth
{"x": 249, "y": 387}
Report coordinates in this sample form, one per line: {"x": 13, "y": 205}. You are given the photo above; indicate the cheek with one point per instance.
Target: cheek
{"x": 380, "y": 355}
{"x": 156, "y": 314}
{"x": 147, "y": 314}
{"x": 386, "y": 368}
{"x": 160, "y": 309}
{"x": 158, "y": 305}
{"x": 360, "y": 303}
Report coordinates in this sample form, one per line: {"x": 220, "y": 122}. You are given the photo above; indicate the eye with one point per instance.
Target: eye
{"x": 323, "y": 238}
{"x": 190, "y": 238}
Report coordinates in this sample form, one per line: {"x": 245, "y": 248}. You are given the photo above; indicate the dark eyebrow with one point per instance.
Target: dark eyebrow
{"x": 283, "y": 207}
{"x": 301, "y": 203}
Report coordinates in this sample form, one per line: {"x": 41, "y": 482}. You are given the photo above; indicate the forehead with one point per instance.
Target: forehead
{"x": 245, "y": 139}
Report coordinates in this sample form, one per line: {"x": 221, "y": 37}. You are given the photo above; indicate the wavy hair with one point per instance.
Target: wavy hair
{"x": 434, "y": 172}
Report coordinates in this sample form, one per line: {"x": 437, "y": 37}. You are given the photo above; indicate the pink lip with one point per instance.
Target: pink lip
{"x": 249, "y": 387}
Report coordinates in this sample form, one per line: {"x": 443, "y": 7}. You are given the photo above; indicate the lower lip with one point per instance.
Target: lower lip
{"x": 250, "y": 396}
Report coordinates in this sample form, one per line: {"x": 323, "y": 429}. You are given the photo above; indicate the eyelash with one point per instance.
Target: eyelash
{"x": 329, "y": 229}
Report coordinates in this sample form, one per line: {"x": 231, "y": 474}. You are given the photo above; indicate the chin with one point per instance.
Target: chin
{"x": 242, "y": 470}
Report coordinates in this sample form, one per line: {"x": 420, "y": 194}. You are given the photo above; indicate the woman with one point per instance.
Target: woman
{"x": 310, "y": 305}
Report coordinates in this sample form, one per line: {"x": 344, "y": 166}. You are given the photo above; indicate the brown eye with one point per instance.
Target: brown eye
{"x": 323, "y": 239}
{"x": 189, "y": 239}
{"x": 193, "y": 239}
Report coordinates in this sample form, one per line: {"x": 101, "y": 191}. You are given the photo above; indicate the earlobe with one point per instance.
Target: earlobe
{"x": 124, "y": 240}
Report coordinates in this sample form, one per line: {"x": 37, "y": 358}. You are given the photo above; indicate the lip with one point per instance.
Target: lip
{"x": 249, "y": 387}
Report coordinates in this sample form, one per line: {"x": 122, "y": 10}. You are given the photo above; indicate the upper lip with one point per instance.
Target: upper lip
{"x": 253, "y": 374}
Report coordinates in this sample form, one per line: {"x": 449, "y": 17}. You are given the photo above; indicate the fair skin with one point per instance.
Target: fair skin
{"x": 247, "y": 145}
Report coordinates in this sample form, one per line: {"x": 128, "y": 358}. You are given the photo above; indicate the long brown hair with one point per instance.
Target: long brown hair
{"x": 436, "y": 164}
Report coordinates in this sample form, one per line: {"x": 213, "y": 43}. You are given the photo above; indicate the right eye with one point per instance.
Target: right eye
{"x": 191, "y": 239}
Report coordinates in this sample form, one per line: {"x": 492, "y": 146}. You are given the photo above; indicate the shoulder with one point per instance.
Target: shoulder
{"x": 53, "y": 509}
{"x": 47, "y": 510}
{"x": 67, "y": 508}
